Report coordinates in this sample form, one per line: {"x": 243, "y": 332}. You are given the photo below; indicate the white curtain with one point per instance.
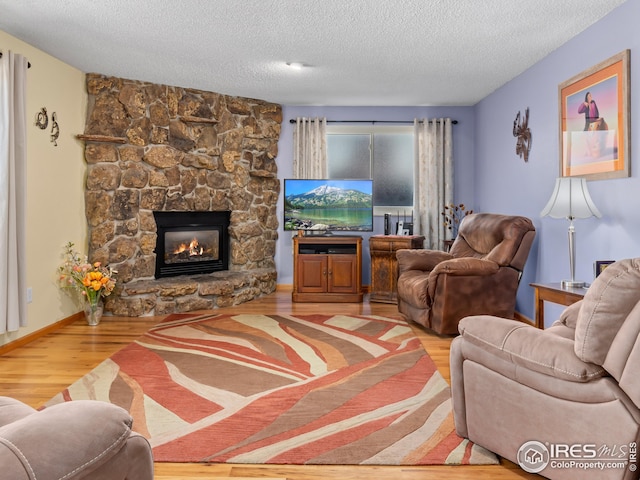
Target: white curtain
{"x": 310, "y": 148}
{"x": 433, "y": 179}
{"x": 13, "y": 158}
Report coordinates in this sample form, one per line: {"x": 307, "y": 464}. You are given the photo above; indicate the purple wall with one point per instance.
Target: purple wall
{"x": 490, "y": 177}
{"x": 462, "y": 147}
{"x": 504, "y": 183}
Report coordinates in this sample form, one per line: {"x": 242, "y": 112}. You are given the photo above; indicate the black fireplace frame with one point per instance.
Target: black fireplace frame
{"x": 180, "y": 221}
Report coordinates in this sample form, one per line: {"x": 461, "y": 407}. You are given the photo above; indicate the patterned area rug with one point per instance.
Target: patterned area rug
{"x": 283, "y": 389}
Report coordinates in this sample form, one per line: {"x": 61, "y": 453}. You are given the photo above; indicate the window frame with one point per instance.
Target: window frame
{"x": 371, "y": 130}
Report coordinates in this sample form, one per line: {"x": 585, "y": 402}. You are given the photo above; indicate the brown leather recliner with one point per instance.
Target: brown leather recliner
{"x": 479, "y": 275}
{"x": 563, "y": 402}
{"x": 83, "y": 439}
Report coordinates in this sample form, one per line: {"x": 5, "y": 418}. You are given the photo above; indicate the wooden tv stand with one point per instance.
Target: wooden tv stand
{"x": 327, "y": 269}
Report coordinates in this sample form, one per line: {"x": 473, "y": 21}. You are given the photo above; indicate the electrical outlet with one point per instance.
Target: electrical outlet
{"x": 29, "y": 295}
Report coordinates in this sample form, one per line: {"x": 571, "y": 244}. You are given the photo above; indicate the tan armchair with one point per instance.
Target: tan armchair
{"x": 76, "y": 440}
{"x": 479, "y": 275}
{"x": 569, "y": 394}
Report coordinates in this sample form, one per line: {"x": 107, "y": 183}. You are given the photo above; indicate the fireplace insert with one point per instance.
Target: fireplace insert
{"x": 190, "y": 243}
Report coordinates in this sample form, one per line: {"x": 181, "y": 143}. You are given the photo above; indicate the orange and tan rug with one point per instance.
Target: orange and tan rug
{"x": 283, "y": 389}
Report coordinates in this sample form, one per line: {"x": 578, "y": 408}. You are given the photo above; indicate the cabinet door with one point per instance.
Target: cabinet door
{"x": 383, "y": 271}
{"x": 312, "y": 273}
{"x": 343, "y": 274}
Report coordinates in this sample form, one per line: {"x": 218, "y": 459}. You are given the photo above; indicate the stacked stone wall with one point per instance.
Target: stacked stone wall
{"x": 156, "y": 147}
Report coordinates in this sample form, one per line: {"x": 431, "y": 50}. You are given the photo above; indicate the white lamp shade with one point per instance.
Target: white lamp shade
{"x": 570, "y": 199}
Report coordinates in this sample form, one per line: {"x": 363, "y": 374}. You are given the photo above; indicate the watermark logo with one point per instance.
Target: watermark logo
{"x": 534, "y": 456}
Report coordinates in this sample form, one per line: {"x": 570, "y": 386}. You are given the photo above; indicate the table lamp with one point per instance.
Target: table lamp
{"x": 570, "y": 199}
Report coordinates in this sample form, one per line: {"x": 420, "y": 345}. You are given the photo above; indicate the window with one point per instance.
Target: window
{"x": 383, "y": 153}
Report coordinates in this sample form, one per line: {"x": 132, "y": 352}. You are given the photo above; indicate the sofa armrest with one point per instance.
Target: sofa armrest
{"x": 12, "y": 410}
{"x": 467, "y": 266}
{"x": 416, "y": 259}
{"x": 528, "y": 347}
{"x": 64, "y": 441}
{"x": 569, "y": 316}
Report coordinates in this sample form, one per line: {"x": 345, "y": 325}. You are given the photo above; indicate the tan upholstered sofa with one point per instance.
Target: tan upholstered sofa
{"x": 479, "y": 275}
{"x": 74, "y": 440}
{"x": 573, "y": 388}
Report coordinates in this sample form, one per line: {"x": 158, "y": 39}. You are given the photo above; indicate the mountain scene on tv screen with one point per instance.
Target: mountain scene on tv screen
{"x": 329, "y": 208}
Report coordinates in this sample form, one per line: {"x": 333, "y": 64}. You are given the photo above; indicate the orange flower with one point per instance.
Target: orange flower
{"x": 95, "y": 275}
{"x": 92, "y": 280}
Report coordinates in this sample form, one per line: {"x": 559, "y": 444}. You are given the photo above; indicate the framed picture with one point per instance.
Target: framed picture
{"x": 600, "y": 265}
{"x": 595, "y": 121}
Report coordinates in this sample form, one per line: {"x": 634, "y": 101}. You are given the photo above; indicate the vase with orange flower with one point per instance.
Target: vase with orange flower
{"x": 93, "y": 280}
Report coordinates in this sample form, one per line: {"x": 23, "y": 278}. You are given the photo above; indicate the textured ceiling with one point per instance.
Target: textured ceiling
{"x": 358, "y": 52}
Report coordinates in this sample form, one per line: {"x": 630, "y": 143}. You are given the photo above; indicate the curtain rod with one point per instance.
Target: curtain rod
{"x": 28, "y": 63}
{"x": 293, "y": 120}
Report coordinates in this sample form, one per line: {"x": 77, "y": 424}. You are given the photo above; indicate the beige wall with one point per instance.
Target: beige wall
{"x": 55, "y": 181}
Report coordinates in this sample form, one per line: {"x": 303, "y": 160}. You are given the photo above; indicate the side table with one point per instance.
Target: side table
{"x": 384, "y": 266}
{"x": 555, "y": 293}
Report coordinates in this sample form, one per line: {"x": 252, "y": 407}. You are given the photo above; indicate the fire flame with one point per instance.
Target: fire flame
{"x": 193, "y": 248}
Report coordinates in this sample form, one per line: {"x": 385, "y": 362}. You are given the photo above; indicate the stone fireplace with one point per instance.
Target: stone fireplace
{"x": 155, "y": 150}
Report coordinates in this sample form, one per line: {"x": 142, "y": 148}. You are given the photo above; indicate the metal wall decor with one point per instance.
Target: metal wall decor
{"x": 523, "y": 134}
{"x": 42, "y": 122}
{"x": 55, "y": 129}
{"x": 42, "y": 119}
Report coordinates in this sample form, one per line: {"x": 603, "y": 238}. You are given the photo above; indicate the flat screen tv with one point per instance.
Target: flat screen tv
{"x": 326, "y": 206}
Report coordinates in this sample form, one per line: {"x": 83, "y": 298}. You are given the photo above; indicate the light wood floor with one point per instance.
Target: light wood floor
{"x": 37, "y": 371}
